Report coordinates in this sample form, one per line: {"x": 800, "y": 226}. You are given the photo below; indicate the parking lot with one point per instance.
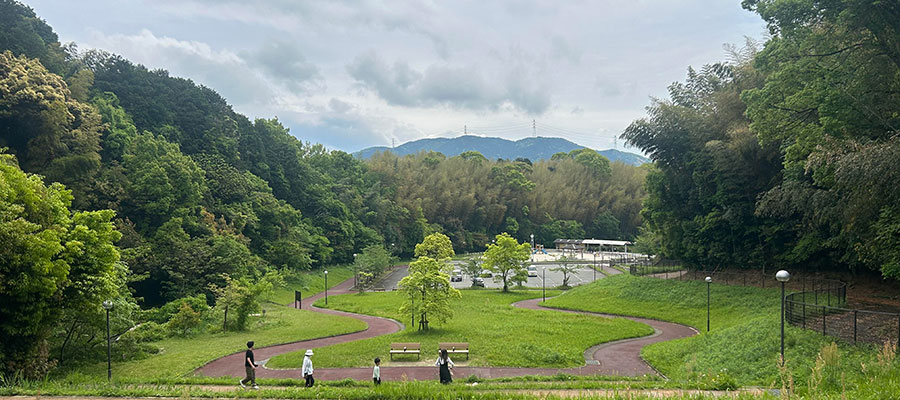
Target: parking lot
{"x": 584, "y": 274}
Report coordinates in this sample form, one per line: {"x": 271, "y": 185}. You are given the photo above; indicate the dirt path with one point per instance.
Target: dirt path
{"x": 620, "y": 357}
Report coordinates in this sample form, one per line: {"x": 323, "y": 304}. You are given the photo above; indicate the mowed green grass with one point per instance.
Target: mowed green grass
{"x": 683, "y": 302}
{"x": 310, "y": 283}
{"x": 744, "y": 343}
{"x": 180, "y": 356}
{"x": 498, "y": 334}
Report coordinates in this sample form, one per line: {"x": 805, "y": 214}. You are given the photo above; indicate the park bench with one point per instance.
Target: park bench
{"x": 455, "y": 348}
{"x": 405, "y": 348}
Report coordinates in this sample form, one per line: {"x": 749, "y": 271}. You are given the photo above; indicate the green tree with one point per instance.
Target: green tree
{"x": 371, "y": 264}
{"x": 473, "y": 268}
{"x": 47, "y": 251}
{"x": 436, "y": 246}
{"x": 429, "y": 292}
{"x": 506, "y": 258}
{"x": 567, "y": 268}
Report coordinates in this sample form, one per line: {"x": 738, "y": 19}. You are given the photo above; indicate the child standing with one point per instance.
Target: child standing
{"x": 376, "y": 372}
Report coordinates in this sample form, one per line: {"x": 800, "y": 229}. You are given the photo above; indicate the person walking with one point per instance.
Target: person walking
{"x": 376, "y": 372}
{"x": 308, "y": 368}
{"x": 250, "y": 367}
{"x": 444, "y": 364}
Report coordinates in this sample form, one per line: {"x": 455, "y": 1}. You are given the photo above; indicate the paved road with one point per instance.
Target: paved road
{"x": 614, "y": 358}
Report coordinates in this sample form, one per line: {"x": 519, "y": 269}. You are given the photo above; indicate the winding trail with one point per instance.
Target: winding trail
{"x": 621, "y": 357}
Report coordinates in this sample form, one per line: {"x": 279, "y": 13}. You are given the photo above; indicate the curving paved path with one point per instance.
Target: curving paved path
{"x": 621, "y": 357}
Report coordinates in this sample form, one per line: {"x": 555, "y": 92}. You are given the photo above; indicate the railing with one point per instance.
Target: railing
{"x": 813, "y": 310}
{"x": 815, "y": 303}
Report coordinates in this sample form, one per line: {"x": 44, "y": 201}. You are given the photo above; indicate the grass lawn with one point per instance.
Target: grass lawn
{"x": 180, "y": 356}
{"x": 498, "y": 334}
{"x": 311, "y": 282}
{"x": 744, "y": 342}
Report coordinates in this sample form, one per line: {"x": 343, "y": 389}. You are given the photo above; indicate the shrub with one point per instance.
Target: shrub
{"x": 186, "y": 321}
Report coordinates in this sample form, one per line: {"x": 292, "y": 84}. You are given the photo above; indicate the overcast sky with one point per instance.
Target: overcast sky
{"x": 351, "y": 74}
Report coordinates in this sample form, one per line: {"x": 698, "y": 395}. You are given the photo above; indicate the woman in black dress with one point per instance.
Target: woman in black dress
{"x": 444, "y": 364}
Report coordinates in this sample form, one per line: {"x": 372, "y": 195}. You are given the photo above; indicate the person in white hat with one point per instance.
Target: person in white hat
{"x": 308, "y": 368}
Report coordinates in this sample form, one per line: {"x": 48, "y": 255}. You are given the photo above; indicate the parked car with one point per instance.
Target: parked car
{"x": 486, "y": 273}
{"x": 478, "y": 281}
{"x": 532, "y": 271}
{"x": 456, "y": 277}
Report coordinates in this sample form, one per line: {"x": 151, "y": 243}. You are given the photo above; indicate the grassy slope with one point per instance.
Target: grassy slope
{"x": 498, "y": 334}
{"x": 311, "y": 283}
{"x": 180, "y": 356}
{"x": 745, "y": 339}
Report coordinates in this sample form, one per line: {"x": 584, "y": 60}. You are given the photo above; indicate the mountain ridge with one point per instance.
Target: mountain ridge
{"x": 532, "y": 148}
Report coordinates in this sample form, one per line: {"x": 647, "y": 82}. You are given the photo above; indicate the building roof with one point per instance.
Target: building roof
{"x": 606, "y": 242}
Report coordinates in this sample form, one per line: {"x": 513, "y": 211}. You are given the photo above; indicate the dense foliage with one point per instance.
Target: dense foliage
{"x": 208, "y": 210}
{"x": 785, "y": 155}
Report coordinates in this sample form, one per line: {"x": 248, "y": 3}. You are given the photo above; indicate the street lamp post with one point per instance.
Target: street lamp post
{"x": 108, "y": 306}
{"x": 544, "y": 284}
{"x": 782, "y": 276}
{"x": 708, "y": 281}
{"x": 595, "y": 265}
{"x": 326, "y": 287}
{"x": 356, "y": 273}
{"x": 532, "y": 247}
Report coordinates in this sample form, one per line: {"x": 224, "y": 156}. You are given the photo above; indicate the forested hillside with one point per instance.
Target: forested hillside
{"x": 787, "y": 154}
{"x": 155, "y": 187}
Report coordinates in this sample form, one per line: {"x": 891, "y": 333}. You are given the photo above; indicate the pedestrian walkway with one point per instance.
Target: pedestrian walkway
{"x": 620, "y": 357}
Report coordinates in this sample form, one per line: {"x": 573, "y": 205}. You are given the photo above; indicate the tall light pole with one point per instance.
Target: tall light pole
{"x": 595, "y": 265}
{"x": 108, "y": 305}
{"x": 532, "y": 247}
{"x": 356, "y": 273}
{"x": 708, "y": 281}
{"x": 782, "y": 276}
{"x": 544, "y": 284}
{"x": 326, "y": 287}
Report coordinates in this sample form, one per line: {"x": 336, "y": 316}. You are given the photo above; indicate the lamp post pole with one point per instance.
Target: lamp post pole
{"x": 544, "y": 284}
{"x": 708, "y": 281}
{"x": 356, "y": 273}
{"x": 595, "y": 265}
{"x": 782, "y": 276}
{"x": 326, "y": 287}
{"x": 532, "y": 247}
{"x": 108, "y": 305}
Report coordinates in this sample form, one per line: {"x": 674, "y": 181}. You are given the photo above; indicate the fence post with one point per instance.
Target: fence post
{"x": 823, "y": 320}
{"x": 804, "y": 312}
{"x": 854, "y": 326}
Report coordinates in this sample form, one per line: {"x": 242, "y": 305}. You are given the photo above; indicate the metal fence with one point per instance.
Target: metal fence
{"x": 814, "y": 303}
{"x": 813, "y": 309}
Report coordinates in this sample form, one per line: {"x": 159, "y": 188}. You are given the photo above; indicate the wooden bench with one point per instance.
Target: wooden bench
{"x": 455, "y": 348}
{"x": 405, "y": 348}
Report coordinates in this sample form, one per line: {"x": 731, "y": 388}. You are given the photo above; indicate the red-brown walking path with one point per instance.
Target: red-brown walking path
{"x": 621, "y": 357}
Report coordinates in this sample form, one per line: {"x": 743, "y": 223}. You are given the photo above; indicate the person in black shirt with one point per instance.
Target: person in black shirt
{"x": 250, "y": 366}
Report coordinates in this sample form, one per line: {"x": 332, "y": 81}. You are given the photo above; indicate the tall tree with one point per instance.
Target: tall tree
{"x": 51, "y": 259}
{"x": 506, "y": 258}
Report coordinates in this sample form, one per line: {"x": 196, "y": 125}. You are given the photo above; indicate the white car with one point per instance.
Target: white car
{"x": 532, "y": 271}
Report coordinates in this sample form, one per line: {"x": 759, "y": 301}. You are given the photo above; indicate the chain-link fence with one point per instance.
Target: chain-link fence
{"x": 814, "y": 303}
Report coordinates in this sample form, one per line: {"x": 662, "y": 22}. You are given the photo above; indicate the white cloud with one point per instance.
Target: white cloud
{"x": 352, "y": 73}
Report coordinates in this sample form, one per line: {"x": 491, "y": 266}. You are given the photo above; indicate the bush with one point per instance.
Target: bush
{"x": 147, "y": 332}
{"x": 163, "y": 314}
{"x": 186, "y": 321}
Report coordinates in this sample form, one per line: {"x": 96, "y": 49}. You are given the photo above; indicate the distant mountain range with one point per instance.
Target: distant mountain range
{"x": 532, "y": 148}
